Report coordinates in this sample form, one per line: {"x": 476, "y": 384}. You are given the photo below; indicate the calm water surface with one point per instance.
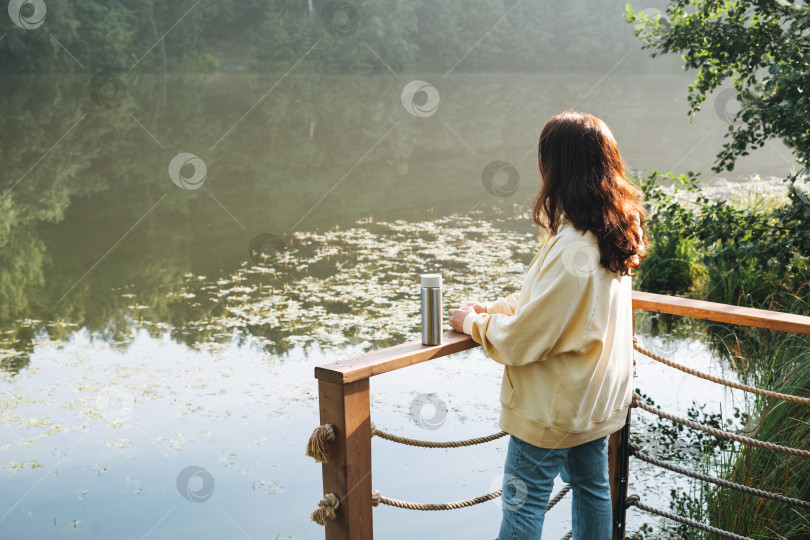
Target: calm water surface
{"x": 148, "y": 328}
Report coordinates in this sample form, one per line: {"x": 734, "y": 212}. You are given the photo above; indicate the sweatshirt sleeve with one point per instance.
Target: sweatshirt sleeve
{"x": 553, "y": 320}
{"x": 504, "y": 305}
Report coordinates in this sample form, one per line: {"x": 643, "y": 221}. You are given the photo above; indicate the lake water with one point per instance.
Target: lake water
{"x": 155, "y": 318}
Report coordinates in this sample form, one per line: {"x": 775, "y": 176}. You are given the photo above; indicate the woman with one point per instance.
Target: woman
{"x": 566, "y": 338}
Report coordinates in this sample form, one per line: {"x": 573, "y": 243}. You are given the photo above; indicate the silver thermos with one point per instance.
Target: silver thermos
{"x": 431, "y": 309}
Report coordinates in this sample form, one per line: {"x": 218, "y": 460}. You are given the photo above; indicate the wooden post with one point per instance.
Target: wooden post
{"x": 618, "y": 466}
{"x": 347, "y": 472}
{"x": 343, "y": 392}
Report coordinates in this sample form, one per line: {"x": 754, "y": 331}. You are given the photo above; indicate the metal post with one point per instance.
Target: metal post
{"x": 618, "y": 469}
{"x": 619, "y": 461}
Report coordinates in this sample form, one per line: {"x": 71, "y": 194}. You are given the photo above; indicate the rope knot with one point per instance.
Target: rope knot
{"x": 326, "y": 509}
{"x": 316, "y": 446}
{"x": 632, "y": 500}
{"x": 375, "y": 497}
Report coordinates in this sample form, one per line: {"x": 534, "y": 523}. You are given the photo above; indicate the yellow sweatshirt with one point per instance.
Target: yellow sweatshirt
{"x": 566, "y": 343}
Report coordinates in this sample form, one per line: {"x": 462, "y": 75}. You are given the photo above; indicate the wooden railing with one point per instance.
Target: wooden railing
{"x": 343, "y": 388}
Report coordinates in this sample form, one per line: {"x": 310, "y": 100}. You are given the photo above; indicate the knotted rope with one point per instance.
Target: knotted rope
{"x": 633, "y": 500}
{"x": 712, "y": 378}
{"x": 316, "y": 446}
{"x": 635, "y": 450}
{"x": 327, "y": 509}
{"x": 718, "y": 432}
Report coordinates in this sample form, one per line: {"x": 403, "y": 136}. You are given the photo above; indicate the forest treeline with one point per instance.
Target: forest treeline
{"x": 327, "y": 36}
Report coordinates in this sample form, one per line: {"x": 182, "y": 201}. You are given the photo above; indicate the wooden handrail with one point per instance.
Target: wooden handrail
{"x": 344, "y": 400}
{"x": 406, "y": 354}
{"x": 381, "y": 361}
{"x": 712, "y": 311}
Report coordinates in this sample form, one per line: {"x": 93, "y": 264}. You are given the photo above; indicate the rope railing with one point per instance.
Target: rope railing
{"x": 377, "y": 498}
{"x": 718, "y": 380}
{"x": 431, "y": 444}
{"x": 635, "y": 450}
{"x": 325, "y": 434}
{"x": 633, "y": 500}
{"x": 328, "y": 506}
{"x": 637, "y": 402}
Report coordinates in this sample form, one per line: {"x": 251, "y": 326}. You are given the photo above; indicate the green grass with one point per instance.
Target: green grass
{"x": 750, "y": 252}
{"x": 781, "y": 362}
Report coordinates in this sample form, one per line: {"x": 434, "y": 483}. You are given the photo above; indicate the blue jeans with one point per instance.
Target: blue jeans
{"x": 528, "y": 479}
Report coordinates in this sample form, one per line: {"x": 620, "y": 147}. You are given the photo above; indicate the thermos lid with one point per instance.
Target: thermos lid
{"x": 431, "y": 280}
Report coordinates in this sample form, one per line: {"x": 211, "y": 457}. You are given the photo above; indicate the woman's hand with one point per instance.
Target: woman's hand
{"x": 479, "y": 308}
{"x": 457, "y": 316}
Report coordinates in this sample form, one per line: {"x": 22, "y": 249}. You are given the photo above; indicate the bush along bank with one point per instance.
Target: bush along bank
{"x": 750, "y": 250}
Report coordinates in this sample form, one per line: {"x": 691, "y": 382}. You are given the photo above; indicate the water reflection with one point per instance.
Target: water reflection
{"x": 89, "y": 205}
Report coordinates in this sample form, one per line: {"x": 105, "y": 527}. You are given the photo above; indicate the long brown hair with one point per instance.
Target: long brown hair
{"x": 584, "y": 180}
